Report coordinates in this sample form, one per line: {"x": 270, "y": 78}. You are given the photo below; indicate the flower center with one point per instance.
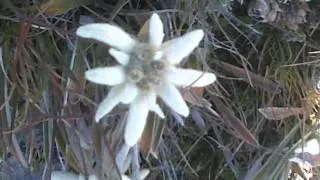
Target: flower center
{"x": 143, "y": 69}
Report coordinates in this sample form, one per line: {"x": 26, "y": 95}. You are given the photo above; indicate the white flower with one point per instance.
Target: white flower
{"x": 305, "y": 157}
{"x": 56, "y": 175}
{"x": 62, "y": 175}
{"x": 312, "y": 147}
{"x": 142, "y": 175}
{"x": 146, "y": 70}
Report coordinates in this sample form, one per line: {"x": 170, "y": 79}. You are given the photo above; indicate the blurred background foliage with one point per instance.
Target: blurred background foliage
{"x": 245, "y": 126}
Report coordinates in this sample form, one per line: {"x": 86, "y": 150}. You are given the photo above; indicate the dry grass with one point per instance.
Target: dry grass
{"x": 47, "y": 107}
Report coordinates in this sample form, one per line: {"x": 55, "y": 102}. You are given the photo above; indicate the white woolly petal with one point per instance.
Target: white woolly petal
{"x": 186, "y": 77}
{"x": 136, "y": 121}
{"x": 155, "y": 30}
{"x": 153, "y": 106}
{"x": 113, "y": 98}
{"x": 120, "y": 56}
{"x": 144, "y": 173}
{"x": 158, "y": 55}
{"x": 172, "y": 97}
{"x": 156, "y": 108}
{"x": 129, "y": 93}
{"x": 177, "y": 49}
{"x": 106, "y": 75}
{"x": 122, "y": 156}
{"x": 82, "y": 177}
{"x": 93, "y": 177}
{"x": 58, "y": 175}
{"x": 107, "y": 34}
{"x": 311, "y": 146}
{"x": 125, "y": 177}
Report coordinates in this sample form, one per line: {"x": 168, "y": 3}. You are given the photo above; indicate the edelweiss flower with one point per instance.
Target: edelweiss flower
{"x": 146, "y": 69}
